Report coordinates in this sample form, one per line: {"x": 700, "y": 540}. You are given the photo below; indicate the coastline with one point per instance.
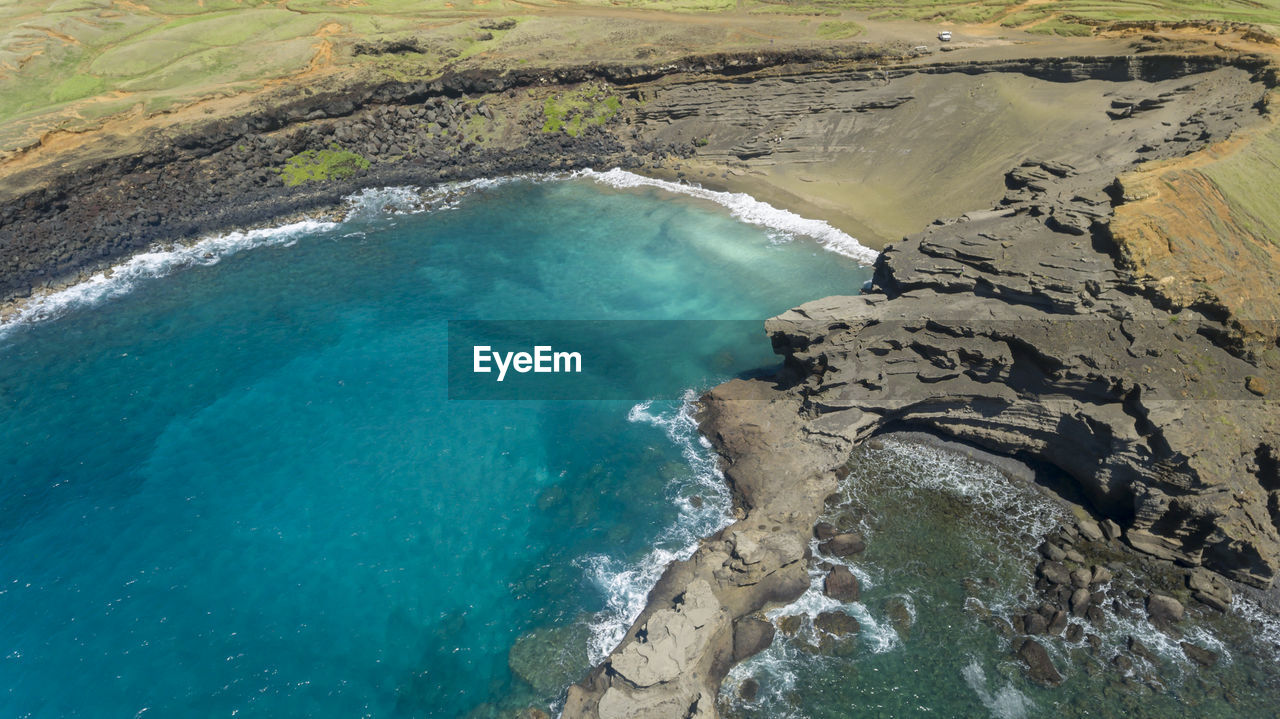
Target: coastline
{"x": 775, "y": 572}
{"x": 162, "y": 258}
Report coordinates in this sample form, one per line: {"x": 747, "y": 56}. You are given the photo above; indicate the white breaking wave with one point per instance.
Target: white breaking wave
{"x": 747, "y": 209}
{"x": 151, "y": 264}
{"x": 940, "y": 470}
{"x": 626, "y": 585}
{"x": 372, "y": 203}
{"x": 1006, "y": 703}
{"x": 1265, "y": 622}
{"x": 879, "y": 634}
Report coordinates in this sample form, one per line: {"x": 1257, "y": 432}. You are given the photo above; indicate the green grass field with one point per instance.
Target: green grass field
{"x": 68, "y": 63}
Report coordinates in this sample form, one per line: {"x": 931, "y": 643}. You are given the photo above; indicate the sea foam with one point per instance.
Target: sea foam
{"x": 626, "y": 584}
{"x": 372, "y": 203}
{"x": 153, "y": 263}
{"x": 747, "y": 209}
{"x": 1006, "y": 703}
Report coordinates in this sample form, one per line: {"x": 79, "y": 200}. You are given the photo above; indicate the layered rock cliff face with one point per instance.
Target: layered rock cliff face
{"x": 1013, "y": 329}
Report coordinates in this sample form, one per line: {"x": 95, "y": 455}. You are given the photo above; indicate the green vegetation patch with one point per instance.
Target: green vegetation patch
{"x": 572, "y": 111}
{"x": 333, "y": 163}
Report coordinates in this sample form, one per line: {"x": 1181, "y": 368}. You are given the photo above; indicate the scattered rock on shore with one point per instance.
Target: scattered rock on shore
{"x": 844, "y": 545}
{"x": 1162, "y": 609}
{"x": 1039, "y": 666}
{"x": 1203, "y": 657}
{"x": 841, "y": 585}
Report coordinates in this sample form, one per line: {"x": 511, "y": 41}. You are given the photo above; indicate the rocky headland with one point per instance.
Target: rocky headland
{"x": 1016, "y": 329}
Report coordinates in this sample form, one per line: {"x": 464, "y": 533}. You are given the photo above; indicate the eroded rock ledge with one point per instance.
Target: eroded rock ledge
{"x": 1013, "y": 329}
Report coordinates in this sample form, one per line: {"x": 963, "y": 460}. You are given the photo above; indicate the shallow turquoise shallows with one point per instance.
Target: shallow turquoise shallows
{"x": 238, "y": 489}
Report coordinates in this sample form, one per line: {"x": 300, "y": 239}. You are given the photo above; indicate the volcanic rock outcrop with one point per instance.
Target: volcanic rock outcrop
{"x": 1014, "y": 329}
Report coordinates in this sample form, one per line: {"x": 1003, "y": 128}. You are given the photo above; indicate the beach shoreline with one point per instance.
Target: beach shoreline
{"x": 769, "y": 125}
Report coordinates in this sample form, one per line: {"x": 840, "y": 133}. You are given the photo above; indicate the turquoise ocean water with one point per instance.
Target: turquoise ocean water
{"x": 232, "y": 484}
{"x": 238, "y": 489}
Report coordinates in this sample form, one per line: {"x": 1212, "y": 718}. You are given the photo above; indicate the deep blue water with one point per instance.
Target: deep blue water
{"x": 239, "y": 489}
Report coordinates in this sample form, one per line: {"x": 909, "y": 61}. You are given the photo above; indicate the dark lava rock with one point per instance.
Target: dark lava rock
{"x": 1052, "y": 552}
{"x": 1203, "y": 657}
{"x": 899, "y": 615}
{"x": 844, "y": 545}
{"x": 1096, "y": 616}
{"x": 1140, "y": 650}
{"x": 1081, "y": 577}
{"x": 1123, "y": 663}
{"x": 751, "y": 635}
{"x": 749, "y": 689}
{"x": 836, "y": 623}
{"x": 1039, "y": 666}
{"x": 1110, "y": 529}
{"x": 841, "y": 585}
{"x": 1080, "y": 600}
{"x": 790, "y": 624}
{"x": 1034, "y": 623}
{"x": 1075, "y": 633}
{"x": 824, "y": 530}
{"x": 1054, "y": 571}
{"x": 1058, "y": 623}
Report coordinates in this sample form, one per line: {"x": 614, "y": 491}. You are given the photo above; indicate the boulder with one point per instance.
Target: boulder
{"x": 841, "y": 585}
{"x": 1101, "y": 575}
{"x": 1039, "y": 666}
{"x": 1110, "y": 529}
{"x": 1203, "y": 657}
{"x": 1055, "y": 572}
{"x": 844, "y": 545}
{"x": 1090, "y": 530}
{"x": 1161, "y": 608}
{"x": 1080, "y": 602}
{"x": 836, "y": 623}
{"x": 1081, "y": 578}
{"x": 1208, "y": 588}
{"x": 751, "y": 635}
{"x": 1058, "y": 623}
{"x": 1052, "y": 552}
{"x": 1123, "y": 663}
{"x": 1034, "y": 623}
{"x": 835, "y": 633}
{"x": 790, "y": 624}
{"x": 1140, "y": 650}
{"x": 900, "y": 616}
{"x": 824, "y": 531}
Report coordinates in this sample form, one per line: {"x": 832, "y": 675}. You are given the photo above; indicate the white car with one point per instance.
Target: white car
{"x": 945, "y": 36}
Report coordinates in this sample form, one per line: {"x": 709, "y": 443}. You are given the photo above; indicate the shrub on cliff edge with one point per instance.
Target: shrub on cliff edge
{"x": 320, "y": 165}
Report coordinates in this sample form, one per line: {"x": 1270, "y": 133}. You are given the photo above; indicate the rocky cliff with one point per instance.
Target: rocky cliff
{"x": 1016, "y": 329}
